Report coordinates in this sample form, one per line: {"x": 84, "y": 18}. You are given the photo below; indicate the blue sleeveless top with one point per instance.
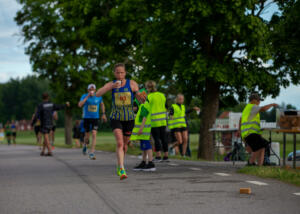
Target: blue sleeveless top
{"x": 122, "y": 103}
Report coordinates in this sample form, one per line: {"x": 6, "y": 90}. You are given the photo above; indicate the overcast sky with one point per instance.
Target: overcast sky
{"x": 14, "y": 63}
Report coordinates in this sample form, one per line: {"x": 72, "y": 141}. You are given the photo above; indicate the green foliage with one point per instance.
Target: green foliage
{"x": 20, "y": 97}
{"x": 285, "y": 41}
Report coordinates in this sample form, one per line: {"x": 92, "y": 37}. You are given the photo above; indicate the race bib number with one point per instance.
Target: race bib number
{"x": 92, "y": 108}
{"x": 123, "y": 99}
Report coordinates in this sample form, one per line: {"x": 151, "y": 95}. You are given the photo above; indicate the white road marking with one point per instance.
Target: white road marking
{"x": 196, "y": 169}
{"x": 222, "y": 174}
{"x": 297, "y": 193}
{"x": 257, "y": 183}
{"x": 173, "y": 164}
{"x": 132, "y": 156}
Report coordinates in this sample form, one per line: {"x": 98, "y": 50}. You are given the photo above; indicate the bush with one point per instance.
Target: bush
{"x": 194, "y": 126}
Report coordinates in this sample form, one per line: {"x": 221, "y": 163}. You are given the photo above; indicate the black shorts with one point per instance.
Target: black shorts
{"x": 256, "y": 142}
{"x": 182, "y": 129}
{"x": 125, "y": 126}
{"x": 8, "y": 134}
{"x": 53, "y": 128}
{"x": 90, "y": 124}
{"x": 14, "y": 134}
{"x": 37, "y": 129}
{"x": 45, "y": 130}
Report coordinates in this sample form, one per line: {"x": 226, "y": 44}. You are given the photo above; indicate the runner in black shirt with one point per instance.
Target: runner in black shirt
{"x": 45, "y": 114}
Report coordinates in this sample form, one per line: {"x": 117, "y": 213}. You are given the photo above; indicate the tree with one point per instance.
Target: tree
{"x": 285, "y": 40}
{"x": 210, "y": 49}
{"x": 56, "y": 34}
{"x": 19, "y": 97}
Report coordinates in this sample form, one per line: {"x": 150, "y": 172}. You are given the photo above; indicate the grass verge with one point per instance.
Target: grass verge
{"x": 287, "y": 175}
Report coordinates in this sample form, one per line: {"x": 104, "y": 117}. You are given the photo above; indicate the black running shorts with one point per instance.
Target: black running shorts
{"x": 256, "y": 142}
{"x": 125, "y": 126}
{"x": 90, "y": 124}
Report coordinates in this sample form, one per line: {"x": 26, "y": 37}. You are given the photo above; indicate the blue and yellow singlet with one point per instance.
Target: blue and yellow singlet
{"x": 122, "y": 103}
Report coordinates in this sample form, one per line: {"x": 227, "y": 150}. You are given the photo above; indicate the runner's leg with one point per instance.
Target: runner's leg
{"x": 120, "y": 147}
{"x": 184, "y": 141}
{"x": 47, "y": 142}
{"x": 94, "y": 135}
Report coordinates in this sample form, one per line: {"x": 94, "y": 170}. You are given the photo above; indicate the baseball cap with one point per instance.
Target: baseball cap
{"x": 91, "y": 86}
{"x": 255, "y": 96}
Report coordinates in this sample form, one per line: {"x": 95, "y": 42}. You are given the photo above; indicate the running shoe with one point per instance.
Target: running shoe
{"x": 92, "y": 156}
{"x": 49, "y": 154}
{"x": 166, "y": 159}
{"x": 157, "y": 159}
{"x": 118, "y": 171}
{"x": 123, "y": 174}
{"x": 140, "y": 167}
{"x": 42, "y": 154}
{"x": 150, "y": 167}
{"x": 84, "y": 149}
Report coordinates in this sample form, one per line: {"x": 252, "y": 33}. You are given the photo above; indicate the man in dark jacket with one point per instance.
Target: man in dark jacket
{"x": 44, "y": 113}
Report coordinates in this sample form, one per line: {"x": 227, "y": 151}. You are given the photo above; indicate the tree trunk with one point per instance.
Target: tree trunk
{"x": 68, "y": 127}
{"x": 208, "y": 117}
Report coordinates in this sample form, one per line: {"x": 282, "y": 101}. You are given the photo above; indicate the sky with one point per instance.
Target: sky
{"x": 14, "y": 63}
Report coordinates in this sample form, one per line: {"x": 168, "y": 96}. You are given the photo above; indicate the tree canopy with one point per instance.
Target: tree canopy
{"x": 208, "y": 50}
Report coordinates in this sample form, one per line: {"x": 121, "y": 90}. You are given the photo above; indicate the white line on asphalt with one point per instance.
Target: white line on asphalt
{"x": 196, "y": 169}
{"x": 222, "y": 174}
{"x": 173, "y": 164}
{"x": 257, "y": 183}
{"x": 132, "y": 156}
{"x": 297, "y": 193}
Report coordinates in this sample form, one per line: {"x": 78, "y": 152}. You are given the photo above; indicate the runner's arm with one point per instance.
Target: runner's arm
{"x": 82, "y": 101}
{"x": 107, "y": 87}
{"x": 103, "y": 117}
{"x": 267, "y": 107}
{"x": 55, "y": 116}
{"x": 36, "y": 115}
{"x": 57, "y": 107}
{"x": 142, "y": 126}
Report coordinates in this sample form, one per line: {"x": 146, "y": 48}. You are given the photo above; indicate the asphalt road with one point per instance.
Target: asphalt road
{"x": 71, "y": 183}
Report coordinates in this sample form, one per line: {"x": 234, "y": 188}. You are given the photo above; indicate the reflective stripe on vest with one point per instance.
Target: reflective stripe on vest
{"x": 252, "y": 126}
{"x": 137, "y": 125}
{"x": 157, "y": 101}
{"x": 178, "y": 120}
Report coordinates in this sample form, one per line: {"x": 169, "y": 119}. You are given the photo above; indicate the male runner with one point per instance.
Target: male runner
{"x": 90, "y": 104}
{"x": 45, "y": 114}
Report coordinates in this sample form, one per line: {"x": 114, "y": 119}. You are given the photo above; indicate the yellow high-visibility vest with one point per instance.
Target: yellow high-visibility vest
{"x": 178, "y": 120}
{"x": 157, "y": 101}
{"x": 138, "y": 121}
{"x": 249, "y": 126}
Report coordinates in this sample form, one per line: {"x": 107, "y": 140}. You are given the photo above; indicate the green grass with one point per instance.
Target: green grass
{"x": 106, "y": 142}
{"x": 287, "y": 175}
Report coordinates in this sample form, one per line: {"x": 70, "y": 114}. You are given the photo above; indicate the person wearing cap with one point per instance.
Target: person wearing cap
{"x": 122, "y": 114}
{"x": 250, "y": 129}
{"x": 90, "y": 104}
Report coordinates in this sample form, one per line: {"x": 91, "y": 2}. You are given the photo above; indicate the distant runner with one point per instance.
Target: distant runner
{"x": 90, "y": 104}
{"x": 37, "y": 130}
{"x": 8, "y": 133}
{"x": 122, "y": 115}
{"x": 45, "y": 114}
{"x": 13, "y": 131}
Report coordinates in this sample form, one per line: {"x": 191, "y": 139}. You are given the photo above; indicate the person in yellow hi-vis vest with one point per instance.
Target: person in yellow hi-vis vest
{"x": 157, "y": 101}
{"x": 250, "y": 129}
{"x": 177, "y": 122}
{"x": 142, "y": 132}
